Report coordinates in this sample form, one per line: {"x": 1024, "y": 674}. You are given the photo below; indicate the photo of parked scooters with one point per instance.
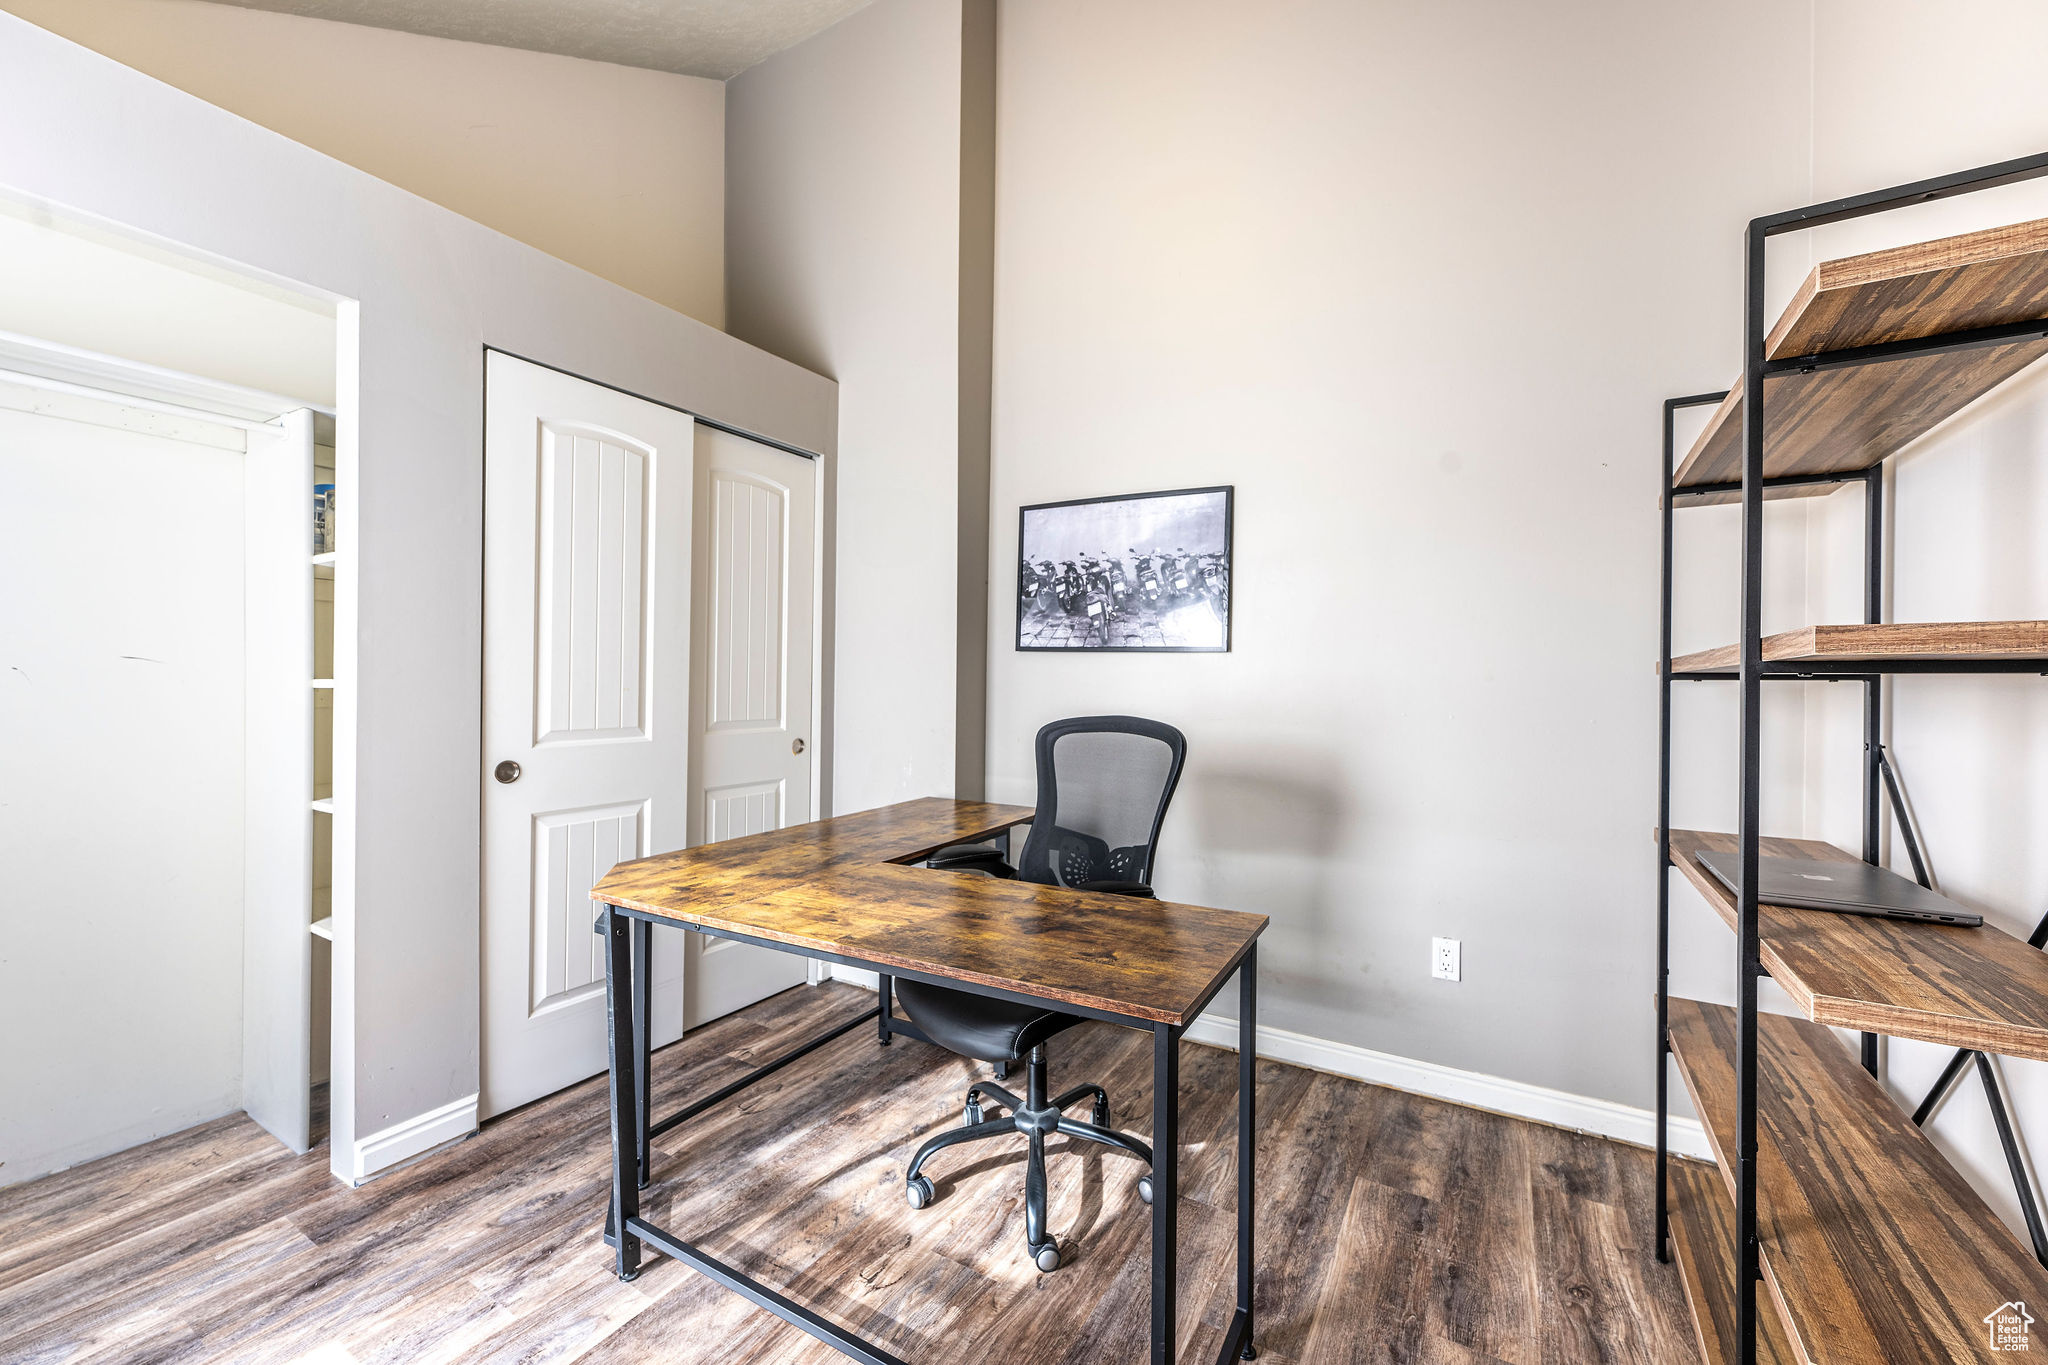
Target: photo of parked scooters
{"x": 1151, "y": 571}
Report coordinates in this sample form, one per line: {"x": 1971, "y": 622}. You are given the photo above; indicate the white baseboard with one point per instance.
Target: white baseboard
{"x": 401, "y": 1142}
{"x": 1518, "y": 1099}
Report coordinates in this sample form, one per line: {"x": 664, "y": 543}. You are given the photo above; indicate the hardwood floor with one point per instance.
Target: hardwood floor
{"x": 1392, "y": 1229}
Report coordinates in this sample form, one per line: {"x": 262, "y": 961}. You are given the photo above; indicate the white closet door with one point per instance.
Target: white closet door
{"x": 586, "y": 694}
{"x": 277, "y": 792}
{"x": 755, "y": 590}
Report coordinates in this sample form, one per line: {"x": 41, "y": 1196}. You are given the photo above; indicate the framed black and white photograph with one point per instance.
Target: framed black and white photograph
{"x": 1147, "y": 571}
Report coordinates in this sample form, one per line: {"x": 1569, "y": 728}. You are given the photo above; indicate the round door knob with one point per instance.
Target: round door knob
{"x": 508, "y": 771}
{"x": 796, "y": 746}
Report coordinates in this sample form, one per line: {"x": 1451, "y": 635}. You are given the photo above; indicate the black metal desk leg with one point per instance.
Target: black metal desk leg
{"x": 623, "y": 1053}
{"x": 1247, "y": 1135}
{"x": 643, "y": 1055}
{"x": 885, "y": 988}
{"x": 1165, "y": 1187}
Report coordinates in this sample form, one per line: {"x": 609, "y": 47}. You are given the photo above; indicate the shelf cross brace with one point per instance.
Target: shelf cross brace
{"x": 1994, "y": 1093}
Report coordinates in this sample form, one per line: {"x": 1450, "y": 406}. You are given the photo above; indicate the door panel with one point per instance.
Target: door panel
{"x": 587, "y": 561}
{"x": 750, "y": 808}
{"x": 572, "y": 850}
{"x": 746, "y": 599}
{"x": 593, "y": 634}
{"x": 756, "y": 534}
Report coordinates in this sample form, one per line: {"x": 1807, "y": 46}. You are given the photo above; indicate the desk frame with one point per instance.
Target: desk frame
{"x": 626, "y": 935}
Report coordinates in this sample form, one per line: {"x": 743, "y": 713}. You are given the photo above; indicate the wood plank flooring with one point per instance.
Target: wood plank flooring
{"x": 1392, "y": 1229}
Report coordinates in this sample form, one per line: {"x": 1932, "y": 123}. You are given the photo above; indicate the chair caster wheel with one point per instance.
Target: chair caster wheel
{"x": 1250, "y": 1352}
{"x": 1100, "y": 1117}
{"x": 1047, "y": 1258}
{"x": 918, "y": 1190}
{"x": 1145, "y": 1188}
{"x": 974, "y": 1114}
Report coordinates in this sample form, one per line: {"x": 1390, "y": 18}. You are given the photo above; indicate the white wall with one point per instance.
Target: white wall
{"x": 1967, "y": 505}
{"x": 612, "y": 168}
{"x": 120, "y": 780}
{"x": 1415, "y": 279}
{"x": 844, "y": 220}
{"x": 422, "y": 292}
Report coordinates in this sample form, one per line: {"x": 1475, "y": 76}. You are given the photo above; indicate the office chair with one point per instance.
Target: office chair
{"x": 1103, "y": 787}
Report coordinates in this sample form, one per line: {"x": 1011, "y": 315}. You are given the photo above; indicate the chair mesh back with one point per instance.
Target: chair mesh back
{"x": 1104, "y": 783}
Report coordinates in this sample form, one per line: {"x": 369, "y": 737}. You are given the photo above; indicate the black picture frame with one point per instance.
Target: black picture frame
{"x": 1209, "y": 595}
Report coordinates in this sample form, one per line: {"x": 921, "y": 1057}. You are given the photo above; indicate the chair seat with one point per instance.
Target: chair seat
{"x": 976, "y": 1026}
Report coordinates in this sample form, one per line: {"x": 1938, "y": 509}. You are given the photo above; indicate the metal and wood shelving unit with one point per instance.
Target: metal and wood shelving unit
{"x": 1869, "y": 1243}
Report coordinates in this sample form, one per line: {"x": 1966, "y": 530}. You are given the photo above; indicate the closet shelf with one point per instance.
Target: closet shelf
{"x": 1831, "y": 420}
{"x": 324, "y": 683}
{"x": 323, "y": 565}
{"x": 324, "y": 804}
{"x": 1918, "y": 646}
{"x": 1977, "y": 988}
{"x": 1874, "y": 1248}
{"x": 324, "y": 928}
{"x": 1703, "y": 1241}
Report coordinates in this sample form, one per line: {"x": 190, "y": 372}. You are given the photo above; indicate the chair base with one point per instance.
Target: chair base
{"x": 1037, "y": 1118}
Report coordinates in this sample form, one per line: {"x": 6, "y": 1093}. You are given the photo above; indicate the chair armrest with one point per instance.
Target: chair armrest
{"x": 971, "y": 858}
{"x": 1118, "y": 888}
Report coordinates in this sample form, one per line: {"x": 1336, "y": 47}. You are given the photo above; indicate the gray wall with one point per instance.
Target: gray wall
{"x": 850, "y": 185}
{"x": 432, "y": 290}
{"x": 1415, "y": 279}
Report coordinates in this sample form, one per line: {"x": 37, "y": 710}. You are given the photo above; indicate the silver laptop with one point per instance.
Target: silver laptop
{"x": 1850, "y": 888}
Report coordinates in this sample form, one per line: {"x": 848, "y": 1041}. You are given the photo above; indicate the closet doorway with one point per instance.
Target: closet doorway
{"x": 168, "y": 726}
{"x": 177, "y": 684}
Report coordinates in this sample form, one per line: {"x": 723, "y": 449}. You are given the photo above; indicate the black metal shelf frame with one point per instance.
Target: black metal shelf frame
{"x": 1752, "y": 669}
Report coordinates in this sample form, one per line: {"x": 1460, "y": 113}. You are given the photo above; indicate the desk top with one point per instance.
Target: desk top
{"x": 840, "y": 886}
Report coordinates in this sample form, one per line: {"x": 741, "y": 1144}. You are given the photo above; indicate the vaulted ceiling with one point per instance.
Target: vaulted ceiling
{"x": 715, "y": 38}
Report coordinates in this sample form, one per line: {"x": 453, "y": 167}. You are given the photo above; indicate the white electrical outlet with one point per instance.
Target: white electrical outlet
{"x": 1443, "y": 959}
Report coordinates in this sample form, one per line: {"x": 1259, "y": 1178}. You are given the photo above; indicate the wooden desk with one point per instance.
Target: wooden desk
{"x": 842, "y": 890}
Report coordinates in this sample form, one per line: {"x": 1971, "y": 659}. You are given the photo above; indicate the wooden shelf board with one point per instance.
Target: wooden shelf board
{"x": 1703, "y": 1243}
{"x": 1850, "y": 419}
{"x": 1876, "y": 644}
{"x": 1978, "y": 988}
{"x": 1874, "y": 1247}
